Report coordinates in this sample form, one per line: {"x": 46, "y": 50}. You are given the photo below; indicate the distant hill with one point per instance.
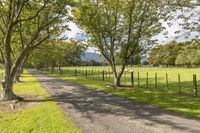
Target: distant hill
{"x": 88, "y": 56}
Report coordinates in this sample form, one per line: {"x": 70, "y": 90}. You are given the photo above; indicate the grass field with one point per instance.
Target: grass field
{"x": 40, "y": 114}
{"x": 186, "y": 77}
{"x": 167, "y": 98}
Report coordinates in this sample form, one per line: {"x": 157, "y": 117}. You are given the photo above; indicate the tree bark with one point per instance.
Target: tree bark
{"x": 59, "y": 70}
{"x": 21, "y": 70}
{"x": 117, "y": 76}
{"x": 10, "y": 71}
{"x": 17, "y": 76}
{"x": 7, "y": 92}
{"x": 117, "y": 82}
{"x": 7, "y": 82}
{"x": 52, "y": 69}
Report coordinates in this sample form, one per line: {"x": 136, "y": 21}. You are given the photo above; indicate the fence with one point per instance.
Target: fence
{"x": 142, "y": 78}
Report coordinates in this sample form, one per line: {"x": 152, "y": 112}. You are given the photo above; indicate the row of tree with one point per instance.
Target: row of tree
{"x": 57, "y": 53}
{"x": 174, "y": 53}
{"x": 120, "y": 29}
{"x": 24, "y": 25}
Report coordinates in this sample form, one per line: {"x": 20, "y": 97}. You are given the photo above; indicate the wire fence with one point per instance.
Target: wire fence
{"x": 178, "y": 80}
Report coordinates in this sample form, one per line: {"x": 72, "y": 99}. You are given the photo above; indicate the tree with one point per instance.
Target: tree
{"x": 74, "y": 51}
{"x": 57, "y": 53}
{"x": 31, "y": 21}
{"x": 189, "y": 55}
{"x": 182, "y": 59}
{"x": 119, "y": 27}
{"x": 166, "y": 54}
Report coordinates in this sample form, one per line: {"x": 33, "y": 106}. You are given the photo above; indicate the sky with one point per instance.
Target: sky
{"x": 77, "y": 33}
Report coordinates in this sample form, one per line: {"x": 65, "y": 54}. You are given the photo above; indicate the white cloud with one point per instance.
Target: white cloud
{"x": 74, "y": 30}
{"x": 92, "y": 49}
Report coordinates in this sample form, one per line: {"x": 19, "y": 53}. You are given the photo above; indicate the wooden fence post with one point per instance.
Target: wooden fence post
{"x": 75, "y": 72}
{"x": 167, "y": 85}
{"x": 132, "y": 78}
{"x": 106, "y": 75}
{"x": 103, "y": 75}
{"x": 86, "y": 73}
{"x": 92, "y": 73}
{"x": 179, "y": 83}
{"x": 80, "y": 72}
{"x": 147, "y": 80}
{"x": 138, "y": 79}
{"x": 195, "y": 85}
{"x": 156, "y": 82}
{"x": 95, "y": 74}
{"x": 125, "y": 77}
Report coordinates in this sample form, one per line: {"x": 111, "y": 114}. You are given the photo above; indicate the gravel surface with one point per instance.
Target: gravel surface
{"x": 98, "y": 112}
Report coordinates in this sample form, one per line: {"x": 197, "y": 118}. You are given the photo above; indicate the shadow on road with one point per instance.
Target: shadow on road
{"x": 90, "y": 102}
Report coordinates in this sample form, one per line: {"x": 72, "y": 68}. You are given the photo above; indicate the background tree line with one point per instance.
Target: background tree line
{"x": 57, "y": 53}
{"x": 176, "y": 54}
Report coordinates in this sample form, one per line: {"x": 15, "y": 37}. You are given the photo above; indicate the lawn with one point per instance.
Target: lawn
{"x": 39, "y": 113}
{"x": 162, "y": 97}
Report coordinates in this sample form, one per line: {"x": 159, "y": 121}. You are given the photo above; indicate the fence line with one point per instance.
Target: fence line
{"x": 143, "y": 82}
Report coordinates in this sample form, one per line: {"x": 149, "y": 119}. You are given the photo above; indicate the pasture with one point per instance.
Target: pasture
{"x": 178, "y": 80}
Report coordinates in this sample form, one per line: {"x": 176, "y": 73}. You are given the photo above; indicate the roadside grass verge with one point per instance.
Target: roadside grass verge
{"x": 40, "y": 113}
{"x": 184, "y": 104}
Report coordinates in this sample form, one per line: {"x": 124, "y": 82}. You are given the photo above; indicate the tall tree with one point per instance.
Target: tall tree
{"x": 119, "y": 27}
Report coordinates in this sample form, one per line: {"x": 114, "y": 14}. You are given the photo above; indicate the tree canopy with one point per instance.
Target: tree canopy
{"x": 120, "y": 28}
{"x": 57, "y": 53}
{"x": 174, "y": 53}
{"x": 24, "y": 25}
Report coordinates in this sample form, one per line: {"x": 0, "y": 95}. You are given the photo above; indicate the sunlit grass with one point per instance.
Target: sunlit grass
{"x": 46, "y": 117}
{"x": 186, "y": 76}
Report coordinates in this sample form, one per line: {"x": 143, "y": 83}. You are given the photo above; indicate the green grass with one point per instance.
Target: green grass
{"x": 164, "y": 98}
{"x": 186, "y": 76}
{"x": 46, "y": 117}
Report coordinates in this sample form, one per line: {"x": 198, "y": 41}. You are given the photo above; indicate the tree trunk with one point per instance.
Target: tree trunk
{"x": 21, "y": 69}
{"x": 7, "y": 92}
{"x": 117, "y": 78}
{"x": 17, "y": 76}
{"x": 52, "y": 69}
{"x": 59, "y": 70}
{"x": 46, "y": 68}
{"x": 10, "y": 71}
{"x": 117, "y": 81}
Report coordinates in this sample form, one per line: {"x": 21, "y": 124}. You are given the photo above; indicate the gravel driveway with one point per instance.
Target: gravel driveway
{"x": 97, "y": 112}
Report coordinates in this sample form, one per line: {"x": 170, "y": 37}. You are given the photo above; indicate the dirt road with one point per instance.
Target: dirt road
{"x": 97, "y": 112}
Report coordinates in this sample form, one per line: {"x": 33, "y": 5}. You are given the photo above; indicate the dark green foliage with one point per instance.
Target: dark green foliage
{"x": 57, "y": 53}
{"x": 174, "y": 53}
